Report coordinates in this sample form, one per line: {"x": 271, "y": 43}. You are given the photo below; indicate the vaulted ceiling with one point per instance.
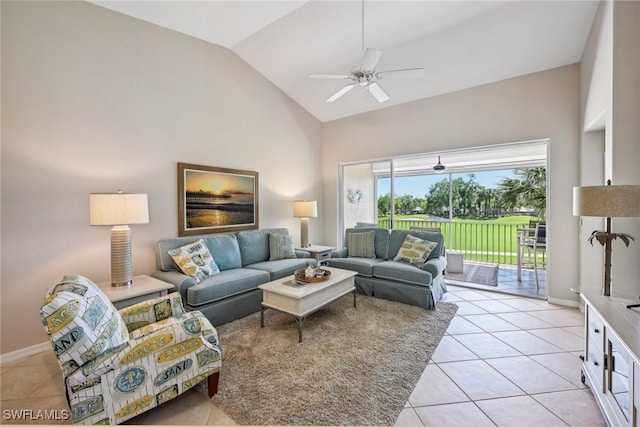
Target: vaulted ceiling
{"x": 460, "y": 44}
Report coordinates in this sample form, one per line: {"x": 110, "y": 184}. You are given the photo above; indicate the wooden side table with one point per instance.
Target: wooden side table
{"x": 320, "y": 253}
{"x": 142, "y": 289}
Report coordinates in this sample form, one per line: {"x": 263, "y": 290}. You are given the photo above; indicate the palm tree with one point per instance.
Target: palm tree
{"x": 527, "y": 189}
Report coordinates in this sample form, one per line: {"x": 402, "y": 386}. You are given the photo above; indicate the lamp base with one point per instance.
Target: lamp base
{"x": 121, "y": 256}
{"x": 304, "y": 232}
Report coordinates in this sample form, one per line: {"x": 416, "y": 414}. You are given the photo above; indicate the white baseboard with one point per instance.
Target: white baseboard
{"x": 565, "y": 302}
{"x": 24, "y": 352}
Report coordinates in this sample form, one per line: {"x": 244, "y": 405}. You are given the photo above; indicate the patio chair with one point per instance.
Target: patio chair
{"x": 117, "y": 364}
{"x": 536, "y": 242}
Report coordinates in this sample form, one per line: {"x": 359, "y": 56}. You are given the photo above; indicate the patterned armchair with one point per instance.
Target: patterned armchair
{"x": 119, "y": 363}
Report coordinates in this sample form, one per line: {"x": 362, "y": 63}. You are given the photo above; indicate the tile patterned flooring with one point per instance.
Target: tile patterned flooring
{"x": 504, "y": 361}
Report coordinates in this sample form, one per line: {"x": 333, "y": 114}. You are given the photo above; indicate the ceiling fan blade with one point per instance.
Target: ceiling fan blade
{"x": 341, "y": 92}
{"x": 328, "y": 76}
{"x": 409, "y": 73}
{"x": 377, "y": 92}
{"x": 370, "y": 59}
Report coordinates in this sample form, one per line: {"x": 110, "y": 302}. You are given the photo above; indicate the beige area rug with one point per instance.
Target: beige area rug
{"x": 476, "y": 272}
{"x": 356, "y": 366}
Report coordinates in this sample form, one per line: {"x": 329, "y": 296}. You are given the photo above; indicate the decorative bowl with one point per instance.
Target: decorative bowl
{"x": 321, "y": 275}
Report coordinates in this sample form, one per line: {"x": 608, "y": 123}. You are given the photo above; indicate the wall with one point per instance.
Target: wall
{"x": 535, "y": 106}
{"x": 610, "y": 144}
{"x": 94, "y": 101}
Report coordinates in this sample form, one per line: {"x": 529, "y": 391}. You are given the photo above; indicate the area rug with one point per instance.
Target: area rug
{"x": 476, "y": 272}
{"x": 356, "y": 366}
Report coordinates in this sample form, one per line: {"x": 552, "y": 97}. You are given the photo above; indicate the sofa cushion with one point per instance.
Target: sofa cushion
{"x": 282, "y": 267}
{"x": 361, "y": 244}
{"x": 223, "y": 247}
{"x": 402, "y": 272}
{"x": 415, "y": 251}
{"x": 381, "y": 240}
{"x": 396, "y": 239}
{"x": 254, "y": 244}
{"x": 195, "y": 260}
{"x": 363, "y": 266}
{"x": 280, "y": 247}
{"x": 224, "y": 285}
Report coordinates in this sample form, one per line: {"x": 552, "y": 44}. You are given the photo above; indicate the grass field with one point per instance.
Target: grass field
{"x": 494, "y": 240}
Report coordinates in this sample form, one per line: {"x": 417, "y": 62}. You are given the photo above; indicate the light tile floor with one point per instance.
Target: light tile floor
{"x": 505, "y": 360}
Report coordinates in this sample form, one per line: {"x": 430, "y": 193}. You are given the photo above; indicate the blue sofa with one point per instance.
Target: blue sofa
{"x": 384, "y": 278}
{"x": 243, "y": 259}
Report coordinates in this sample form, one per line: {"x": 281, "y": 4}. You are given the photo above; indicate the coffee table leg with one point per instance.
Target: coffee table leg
{"x": 354, "y": 299}
{"x": 262, "y": 317}
{"x": 300, "y": 321}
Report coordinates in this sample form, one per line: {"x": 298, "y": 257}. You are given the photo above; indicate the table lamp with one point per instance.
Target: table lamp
{"x": 119, "y": 210}
{"x": 305, "y": 209}
{"x": 609, "y": 201}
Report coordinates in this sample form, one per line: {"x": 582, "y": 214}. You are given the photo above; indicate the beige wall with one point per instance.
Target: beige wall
{"x": 536, "y": 106}
{"x": 610, "y": 144}
{"x": 94, "y": 101}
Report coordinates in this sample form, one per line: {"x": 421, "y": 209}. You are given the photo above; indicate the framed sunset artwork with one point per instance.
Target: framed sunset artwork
{"x": 215, "y": 200}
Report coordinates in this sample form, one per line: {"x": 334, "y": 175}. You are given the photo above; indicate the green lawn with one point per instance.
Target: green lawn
{"x": 492, "y": 240}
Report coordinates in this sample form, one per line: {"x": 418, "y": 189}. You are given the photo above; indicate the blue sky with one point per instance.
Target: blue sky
{"x": 418, "y": 186}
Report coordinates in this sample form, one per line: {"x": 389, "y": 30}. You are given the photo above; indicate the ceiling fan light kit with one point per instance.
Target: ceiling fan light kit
{"x": 367, "y": 76}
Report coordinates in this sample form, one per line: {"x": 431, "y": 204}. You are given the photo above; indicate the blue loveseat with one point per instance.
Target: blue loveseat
{"x": 381, "y": 277}
{"x": 244, "y": 262}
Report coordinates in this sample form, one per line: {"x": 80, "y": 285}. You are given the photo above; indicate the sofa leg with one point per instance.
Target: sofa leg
{"x": 213, "y": 383}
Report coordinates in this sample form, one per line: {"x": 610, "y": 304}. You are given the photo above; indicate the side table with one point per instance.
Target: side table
{"x": 320, "y": 253}
{"x": 143, "y": 288}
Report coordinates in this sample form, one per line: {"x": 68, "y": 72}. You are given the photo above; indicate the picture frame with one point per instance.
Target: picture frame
{"x": 216, "y": 200}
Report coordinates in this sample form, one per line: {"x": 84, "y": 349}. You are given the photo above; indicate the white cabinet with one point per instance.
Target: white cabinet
{"x": 611, "y": 363}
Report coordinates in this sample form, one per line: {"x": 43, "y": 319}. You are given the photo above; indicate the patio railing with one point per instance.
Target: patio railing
{"x": 478, "y": 240}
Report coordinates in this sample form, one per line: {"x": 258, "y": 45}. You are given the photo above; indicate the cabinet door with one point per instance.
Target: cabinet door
{"x": 618, "y": 372}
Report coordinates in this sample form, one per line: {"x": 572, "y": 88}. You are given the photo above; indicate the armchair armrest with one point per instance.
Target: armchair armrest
{"x": 164, "y": 340}
{"x": 152, "y": 311}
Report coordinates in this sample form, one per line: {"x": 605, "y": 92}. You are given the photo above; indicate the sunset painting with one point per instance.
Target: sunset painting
{"x": 216, "y": 199}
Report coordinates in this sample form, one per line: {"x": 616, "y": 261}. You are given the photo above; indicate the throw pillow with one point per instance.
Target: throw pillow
{"x": 361, "y": 244}
{"x": 195, "y": 260}
{"x": 280, "y": 247}
{"x": 415, "y": 251}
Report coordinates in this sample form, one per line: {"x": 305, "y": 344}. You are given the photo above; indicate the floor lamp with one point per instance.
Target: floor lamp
{"x": 608, "y": 201}
{"x": 119, "y": 210}
{"x": 305, "y": 209}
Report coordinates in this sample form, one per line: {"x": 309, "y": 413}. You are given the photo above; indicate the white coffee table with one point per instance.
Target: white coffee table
{"x": 301, "y": 301}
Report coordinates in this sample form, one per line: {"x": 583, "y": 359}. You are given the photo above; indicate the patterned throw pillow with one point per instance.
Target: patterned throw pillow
{"x": 280, "y": 247}
{"x": 415, "y": 251}
{"x": 361, "y": 244}
{"x": 195, "y": 260}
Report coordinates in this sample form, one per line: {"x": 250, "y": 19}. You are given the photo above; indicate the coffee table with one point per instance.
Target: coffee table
{"x": 301, "y": 301}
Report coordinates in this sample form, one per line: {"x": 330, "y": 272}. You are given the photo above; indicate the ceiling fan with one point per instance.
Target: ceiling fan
{"x": 367, "y": 76}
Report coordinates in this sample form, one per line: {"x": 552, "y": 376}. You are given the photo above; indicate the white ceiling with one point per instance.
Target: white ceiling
{"x": 460, "y": 44}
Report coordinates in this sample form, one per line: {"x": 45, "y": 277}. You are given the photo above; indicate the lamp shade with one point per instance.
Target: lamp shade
{"x": 305, "y": 209}
{"x": 118, "y": 209}
{"x": 609, "y": 201}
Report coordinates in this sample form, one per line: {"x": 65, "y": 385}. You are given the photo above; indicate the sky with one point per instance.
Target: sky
{"x": 418, "y": 186}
